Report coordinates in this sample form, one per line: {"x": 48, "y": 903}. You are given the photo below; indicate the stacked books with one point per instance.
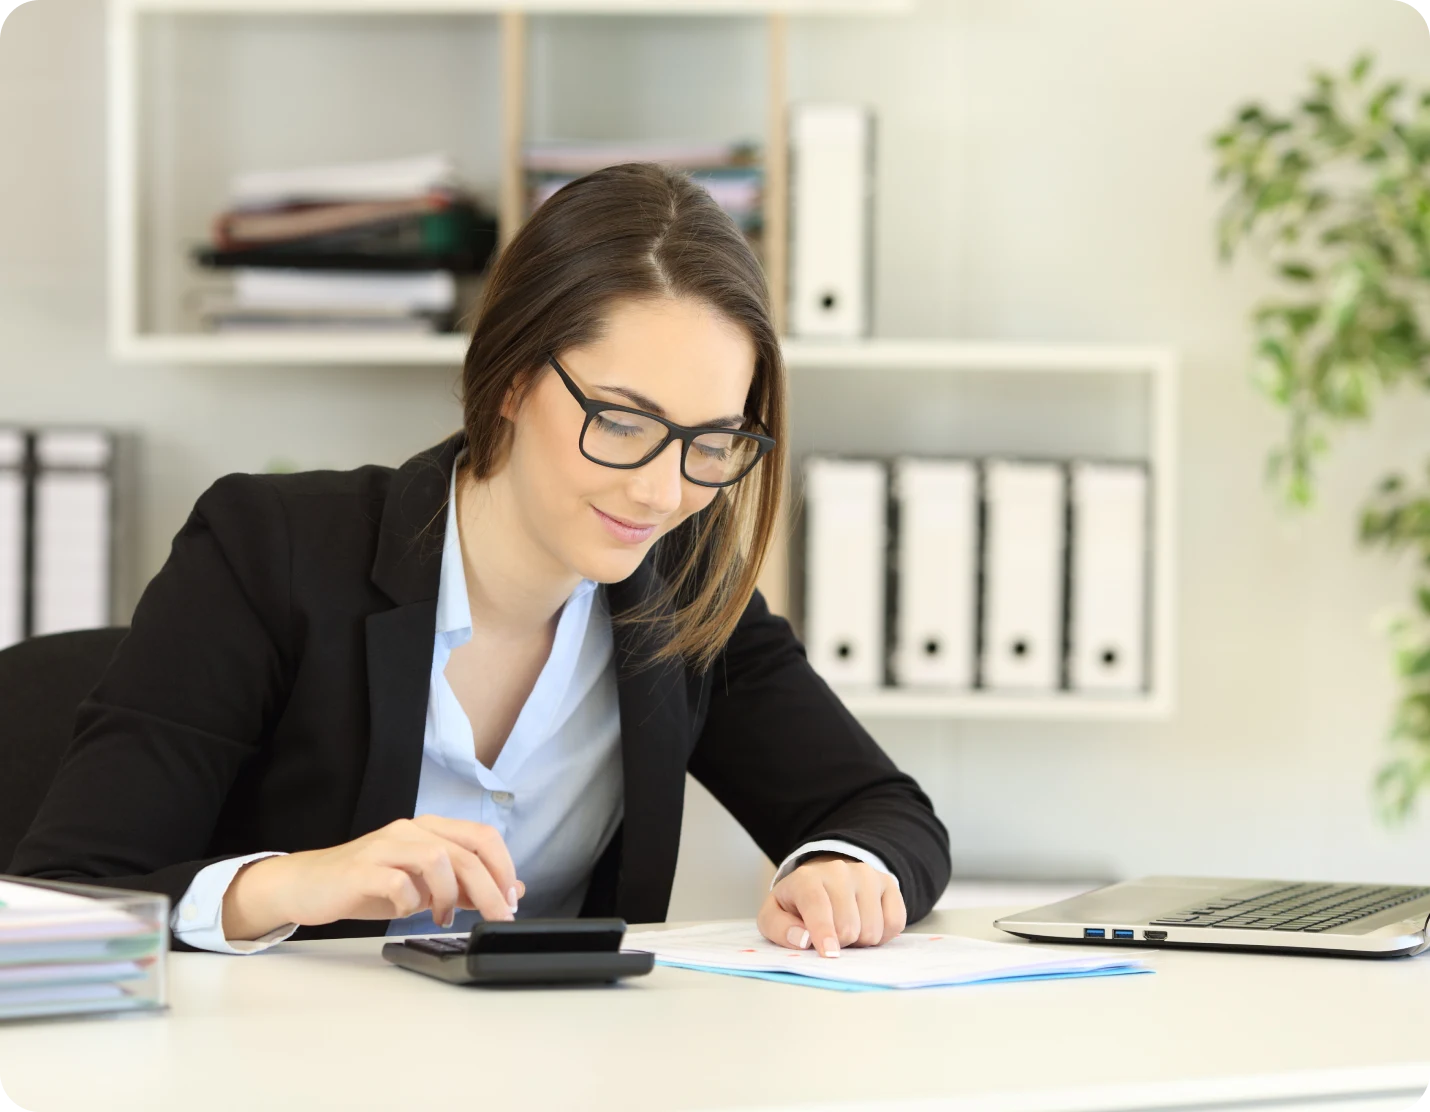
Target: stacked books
{"x": 730, "y": 172}
{"x": 69, "y": 948}
{"x": 373, "y": 246}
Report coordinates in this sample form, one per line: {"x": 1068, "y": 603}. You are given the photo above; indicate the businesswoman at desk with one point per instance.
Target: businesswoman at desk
{"x": 389, "y": 701}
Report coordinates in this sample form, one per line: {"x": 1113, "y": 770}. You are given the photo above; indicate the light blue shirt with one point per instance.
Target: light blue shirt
{"x": 554, "y": 793}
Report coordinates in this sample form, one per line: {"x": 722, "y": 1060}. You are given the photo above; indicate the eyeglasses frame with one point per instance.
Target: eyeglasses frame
{"x": 685, "y": 434}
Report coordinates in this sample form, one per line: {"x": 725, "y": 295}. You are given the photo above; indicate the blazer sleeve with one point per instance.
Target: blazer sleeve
{"x": 786, "y": 758}
{"x": 191, "y": 692}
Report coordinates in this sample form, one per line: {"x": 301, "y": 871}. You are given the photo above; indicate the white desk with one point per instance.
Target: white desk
{"x": 320, "y": 1025}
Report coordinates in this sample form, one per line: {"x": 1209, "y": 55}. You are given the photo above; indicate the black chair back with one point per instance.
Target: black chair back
{"x": 42, "y": 682}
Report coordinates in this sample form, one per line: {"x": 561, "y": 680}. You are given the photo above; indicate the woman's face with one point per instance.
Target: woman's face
{"x": 672, "y": 357}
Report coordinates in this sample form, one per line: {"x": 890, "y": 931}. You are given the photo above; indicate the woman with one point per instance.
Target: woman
{"x": 524, "y": 637}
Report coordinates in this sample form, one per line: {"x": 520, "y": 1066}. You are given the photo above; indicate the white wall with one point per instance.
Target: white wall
{"x": 1044, "y": 175}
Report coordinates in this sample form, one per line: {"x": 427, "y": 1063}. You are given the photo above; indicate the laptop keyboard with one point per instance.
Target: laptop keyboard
{"x": 1296, "y": 907}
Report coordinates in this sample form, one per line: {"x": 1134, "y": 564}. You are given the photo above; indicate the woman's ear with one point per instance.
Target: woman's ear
{"x": 512, "y": 399}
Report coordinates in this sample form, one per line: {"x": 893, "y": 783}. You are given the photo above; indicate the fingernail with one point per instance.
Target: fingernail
{"x": 830, "y": 948}
{"x": 798, "y": 938}
{"x": 449, "y": 918}
{"x": 511, "y": 899}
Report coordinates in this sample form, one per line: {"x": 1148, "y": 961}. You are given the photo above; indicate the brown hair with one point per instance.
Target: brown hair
{"x": 639, "y": 230}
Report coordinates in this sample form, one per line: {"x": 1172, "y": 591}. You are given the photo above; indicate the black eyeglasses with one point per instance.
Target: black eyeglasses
{"x": 618, "y": 436}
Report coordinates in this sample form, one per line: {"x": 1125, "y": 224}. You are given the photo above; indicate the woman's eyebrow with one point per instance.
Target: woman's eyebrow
{"x": 636, "y": 398}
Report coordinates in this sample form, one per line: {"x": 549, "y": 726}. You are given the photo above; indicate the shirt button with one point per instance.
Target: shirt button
{"x": 189, "y": 912}
{"x": 501, "y": 797}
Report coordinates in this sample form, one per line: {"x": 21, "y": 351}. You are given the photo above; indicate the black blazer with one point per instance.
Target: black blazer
{"x": 272, "y": 692}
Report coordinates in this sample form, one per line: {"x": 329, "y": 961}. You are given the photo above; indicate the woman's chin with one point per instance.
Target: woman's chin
{"x": 611, "y": 566}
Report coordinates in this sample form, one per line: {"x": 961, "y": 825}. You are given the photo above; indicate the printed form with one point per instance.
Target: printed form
{"x": 908, "y": 961}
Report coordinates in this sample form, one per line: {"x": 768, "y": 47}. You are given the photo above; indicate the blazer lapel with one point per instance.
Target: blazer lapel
{"x": 407, "y": 569}
{"x": 655, "y": 724}
{"x": 655, "y": 744}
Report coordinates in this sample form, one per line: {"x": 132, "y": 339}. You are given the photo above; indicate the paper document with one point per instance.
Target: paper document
{"x": 908, "y": 961}
{"x": 29, "y": 913}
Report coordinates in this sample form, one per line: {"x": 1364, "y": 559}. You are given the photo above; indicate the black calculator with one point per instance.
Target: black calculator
{"x": 525, "y": 951}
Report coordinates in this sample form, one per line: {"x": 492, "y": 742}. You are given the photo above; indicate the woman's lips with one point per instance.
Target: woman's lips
{"x": 625, "y": 531}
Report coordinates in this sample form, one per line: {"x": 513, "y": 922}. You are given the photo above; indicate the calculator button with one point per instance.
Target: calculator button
{"x": 442, "y": 947}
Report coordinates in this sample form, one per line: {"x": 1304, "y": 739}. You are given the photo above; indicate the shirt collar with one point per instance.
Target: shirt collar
{"x": 454, "y": 611}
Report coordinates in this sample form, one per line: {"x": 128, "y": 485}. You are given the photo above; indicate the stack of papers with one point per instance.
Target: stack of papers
{"x": 908, "y": 961}
{"x": 61, "y": 952}
{"x": 356, "y": 247}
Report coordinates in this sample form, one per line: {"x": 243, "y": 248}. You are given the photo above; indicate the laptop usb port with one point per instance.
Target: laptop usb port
{"x": 1155, "y": 936}
{"x": 1093, "y": 932}
{"x": 1121, "y": 934}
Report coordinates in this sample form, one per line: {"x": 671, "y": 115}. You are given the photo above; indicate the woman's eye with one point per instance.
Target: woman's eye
{"x": 616, "y": 428}
{"x": 711, "y": 453}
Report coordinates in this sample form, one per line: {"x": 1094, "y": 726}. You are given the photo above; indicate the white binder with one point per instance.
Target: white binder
{"x": 12, "y": 536}
{"x": 831, "y": 219}
{"x": 936, "y": 602}
{"x": 1023, "y": 575}
{"x": 72, "y": 523}
{"x": 845, "y": 509}
{"x": 1107, "y": 618}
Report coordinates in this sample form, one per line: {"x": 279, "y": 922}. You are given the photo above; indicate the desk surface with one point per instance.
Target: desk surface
{"x": 319, "y": 1025}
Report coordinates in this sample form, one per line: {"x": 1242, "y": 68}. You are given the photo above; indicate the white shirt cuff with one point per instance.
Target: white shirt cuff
{"x": 830, "y": 845}
{"x": 197, "y": 919}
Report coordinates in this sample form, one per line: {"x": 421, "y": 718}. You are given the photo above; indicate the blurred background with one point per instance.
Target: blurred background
{"x": 1041, "y": 173}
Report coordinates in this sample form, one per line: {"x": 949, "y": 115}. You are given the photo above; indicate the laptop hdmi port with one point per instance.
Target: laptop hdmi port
{"x": 1155, "y": 936}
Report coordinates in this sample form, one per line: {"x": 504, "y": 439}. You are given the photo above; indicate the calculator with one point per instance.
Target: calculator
{"x": 525, "y": 951}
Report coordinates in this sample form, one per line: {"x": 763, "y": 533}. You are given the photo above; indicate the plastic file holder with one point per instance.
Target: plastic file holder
{"x": 845, "y": 540}
{"x": 831, "y": 219}
{"x": 67, "y": 949}
{"x": 13, "y": 530}
{"x": 1107, "y": 619}
{"x": 73, "y": 529}
{"x": 937, "y": 596}
{"x": 1023, "y": 575}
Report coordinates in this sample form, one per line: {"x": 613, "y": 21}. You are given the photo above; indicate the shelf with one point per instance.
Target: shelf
{"x": 972, "y": 355}
{"x": 447, "y": 350}
{"x": 337, "y": 351}
{"x": 900, "y": 703}
{"x": 530, "y": 7}
{"x": 903, "y": 374}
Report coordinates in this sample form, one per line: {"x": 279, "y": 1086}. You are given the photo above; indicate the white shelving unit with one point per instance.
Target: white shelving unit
{"x": 132, "y": 245}
{"x": 1155, "y": 368}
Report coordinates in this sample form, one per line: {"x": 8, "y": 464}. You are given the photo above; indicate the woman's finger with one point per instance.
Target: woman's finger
{"x": 393, "y": 887}
{"x": 895, "y": 913}
{"x": 869, "y": 886}
{"x": 806, "y": 897}
{"x": 479, "y": 888}
{"x": 486, "y": 843}
{"x": 429, "y": 860}
{"x": 780, "y": 926}
{"x": 838, "y": 880}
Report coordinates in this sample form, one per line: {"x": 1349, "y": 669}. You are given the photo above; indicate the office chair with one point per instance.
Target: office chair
{"x": 42, "y": 682}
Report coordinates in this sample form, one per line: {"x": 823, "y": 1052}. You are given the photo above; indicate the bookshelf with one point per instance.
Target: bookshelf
{"x": 146, "y": 272}
{"x": 1070, "y": 400}
{"x": 149, "y": 216}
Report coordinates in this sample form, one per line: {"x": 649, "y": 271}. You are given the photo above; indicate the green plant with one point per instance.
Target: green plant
{"x": 1335, "y": 195}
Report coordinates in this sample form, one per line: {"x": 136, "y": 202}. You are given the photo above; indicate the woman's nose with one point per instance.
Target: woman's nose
{"x": 658, "y": 483}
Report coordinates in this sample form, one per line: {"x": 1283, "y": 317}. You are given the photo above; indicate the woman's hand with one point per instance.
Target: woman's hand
{"x": 400, "y": 869}
{"x": 830, "y": 901}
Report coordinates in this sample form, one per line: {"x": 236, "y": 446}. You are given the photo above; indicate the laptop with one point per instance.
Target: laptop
{"x": 1360, "y": 920}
